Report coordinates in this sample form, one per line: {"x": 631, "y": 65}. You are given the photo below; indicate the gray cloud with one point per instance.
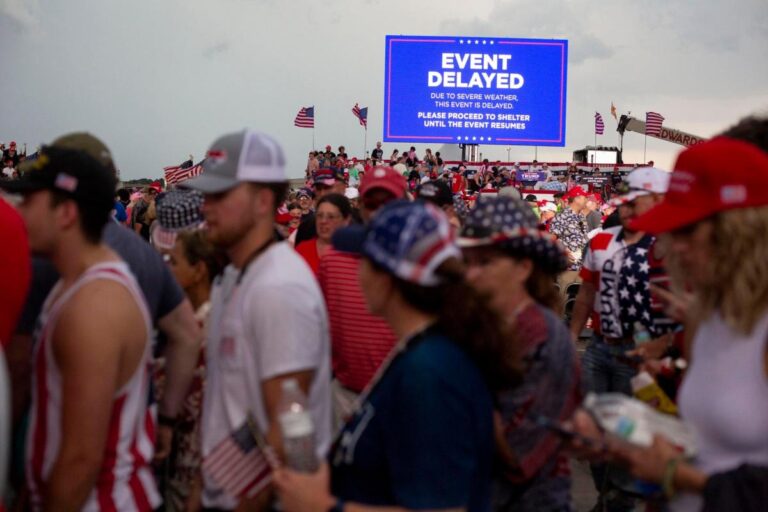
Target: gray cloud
{"x": 216, "y": 49}
{"x": 160, "y": 80}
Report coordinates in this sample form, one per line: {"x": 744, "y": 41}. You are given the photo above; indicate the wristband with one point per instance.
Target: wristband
{"x": 668, "y": 482}
{"x": 166, "y": 421}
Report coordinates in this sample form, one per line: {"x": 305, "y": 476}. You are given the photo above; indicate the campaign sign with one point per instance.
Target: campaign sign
{"x": 475, "y": 90}
{"x": 531, "y": 176}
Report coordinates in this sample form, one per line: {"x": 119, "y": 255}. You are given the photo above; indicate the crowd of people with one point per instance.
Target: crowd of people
{"x": 467, "y": 180}
{"x": 11, "y": 157}
{"x": 431, "y": 316}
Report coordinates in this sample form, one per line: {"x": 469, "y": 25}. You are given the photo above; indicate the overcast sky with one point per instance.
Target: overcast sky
{"x": 160, "y": 79}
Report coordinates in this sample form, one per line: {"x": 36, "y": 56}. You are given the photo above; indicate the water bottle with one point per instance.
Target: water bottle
{"x": 641, "y": 334}
{"x": 297, "y": 429}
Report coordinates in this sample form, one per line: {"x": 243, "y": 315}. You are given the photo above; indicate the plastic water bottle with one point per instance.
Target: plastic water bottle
{"x": 297, "y": 429}
{"x": 641, "y": 334}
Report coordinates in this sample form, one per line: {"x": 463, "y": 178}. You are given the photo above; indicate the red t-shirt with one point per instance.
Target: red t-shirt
{"x": 308, "y": 250}
{"x": 359, "y": 340}
{"x": 457, "y": 183}
{"x": 15, "y": 269}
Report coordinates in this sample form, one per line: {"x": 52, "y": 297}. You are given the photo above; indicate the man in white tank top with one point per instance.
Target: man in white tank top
{"x": 90, "y": 440}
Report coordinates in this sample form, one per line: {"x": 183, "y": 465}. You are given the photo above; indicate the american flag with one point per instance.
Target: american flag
{"x": 599, "y": 125}
{"x": 242, "y": 463}
{"x": 361, "y": 114}
{"x": 177, "y": 174}
{"x": 653, "y": 123}
{"x": 305, "y": 118}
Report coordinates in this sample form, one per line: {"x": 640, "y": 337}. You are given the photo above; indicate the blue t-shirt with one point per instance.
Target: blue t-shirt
{"x": 120, "y": 214}
{"x": 423, "y": 439}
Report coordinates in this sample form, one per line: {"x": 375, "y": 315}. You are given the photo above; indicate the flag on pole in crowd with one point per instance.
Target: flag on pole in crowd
{"x": 361, "y": 114}
{"x": 653, "y": 123}
{"x": 241, "y": 464}
{"x": 599, "y": 125}
{"x": 613, "y": 111}
{"x": 177, "y": 173}
{"x": 305, "y": 118}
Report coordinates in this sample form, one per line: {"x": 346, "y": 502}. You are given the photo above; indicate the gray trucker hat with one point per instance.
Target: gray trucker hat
{"x": 246, "y": 156}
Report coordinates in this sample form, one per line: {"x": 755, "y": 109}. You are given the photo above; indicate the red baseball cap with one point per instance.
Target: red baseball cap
{"x": 713, "y": 176}
{"x": 575, "y": 192}
{"x": 384, "y": 178}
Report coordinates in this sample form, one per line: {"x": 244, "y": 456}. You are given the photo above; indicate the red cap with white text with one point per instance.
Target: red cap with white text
{"x": 713, "y": 176}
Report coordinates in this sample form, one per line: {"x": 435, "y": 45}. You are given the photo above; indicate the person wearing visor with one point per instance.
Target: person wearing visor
{"x": 422, "y": 434}
{"x": 513, "y": 262}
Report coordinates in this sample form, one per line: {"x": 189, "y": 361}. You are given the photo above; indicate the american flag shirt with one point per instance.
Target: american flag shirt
{"x": 641, "y": 268}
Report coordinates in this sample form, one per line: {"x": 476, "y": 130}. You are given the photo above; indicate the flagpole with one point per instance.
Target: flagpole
{"x": 645, "y": 145}
{"x": 365, "y": 142}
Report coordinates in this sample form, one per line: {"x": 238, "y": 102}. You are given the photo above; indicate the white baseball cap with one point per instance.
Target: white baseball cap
{"x": 352, "y": 193}
{"x": 643, "y": 181}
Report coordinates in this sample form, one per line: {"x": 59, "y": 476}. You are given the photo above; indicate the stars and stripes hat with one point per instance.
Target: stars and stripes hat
{"x": 305, "y": 192}
{"x": 714, "y": 176}
{"x": 177, "y": 210}
{"x": 240, "y": 157}
{"x": 510, "y": 224}
{"x": 410, "y": 240}
{"x": 641, "y": 182}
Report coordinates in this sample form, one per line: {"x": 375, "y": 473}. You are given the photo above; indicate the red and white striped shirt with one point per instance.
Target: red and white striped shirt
{"x": 125, "y": 480}
{"x": 359, "y": 340}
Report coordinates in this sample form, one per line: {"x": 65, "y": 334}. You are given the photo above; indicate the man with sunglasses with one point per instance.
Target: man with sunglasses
{"x": 611, "y": 275}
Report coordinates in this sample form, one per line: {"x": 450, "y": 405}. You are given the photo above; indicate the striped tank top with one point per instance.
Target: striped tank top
{"x": 125, "y": 481}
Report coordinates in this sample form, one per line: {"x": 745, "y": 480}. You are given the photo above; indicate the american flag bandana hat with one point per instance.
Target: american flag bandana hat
{"x": 511, "y": 224}
{"x": 411, "y": 240}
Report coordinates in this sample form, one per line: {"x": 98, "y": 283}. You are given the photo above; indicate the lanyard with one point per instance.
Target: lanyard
{"x": 400, "y": 347}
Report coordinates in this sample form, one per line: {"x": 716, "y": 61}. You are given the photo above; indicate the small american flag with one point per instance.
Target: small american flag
{"x": 305, "y": 118}
{"x": 177, "y": 174}
{"x": 361, "y": 114}
{"x": 242, "y": 463}
{"x": 653, "y": 123}
{"x": 599, "y": 125}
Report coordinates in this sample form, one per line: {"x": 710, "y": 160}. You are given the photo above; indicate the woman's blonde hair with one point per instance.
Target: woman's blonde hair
{"x": 738, "y": 287}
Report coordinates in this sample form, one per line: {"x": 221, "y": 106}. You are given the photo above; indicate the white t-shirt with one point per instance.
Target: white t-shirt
{"x": 274, "y": 322}
{"x": 400, "y": 168}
